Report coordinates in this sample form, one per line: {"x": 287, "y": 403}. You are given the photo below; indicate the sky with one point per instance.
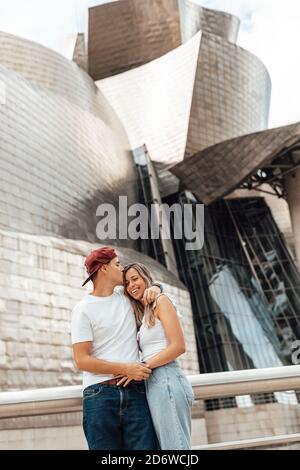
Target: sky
{"x": 269, "y": 28}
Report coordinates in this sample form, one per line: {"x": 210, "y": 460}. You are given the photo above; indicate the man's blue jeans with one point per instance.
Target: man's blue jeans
{"x": 118, "y": 418}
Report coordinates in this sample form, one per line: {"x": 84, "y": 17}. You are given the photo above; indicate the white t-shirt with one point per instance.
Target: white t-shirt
{"x": 152, "y": 340}
{"x": 109, "y": 323}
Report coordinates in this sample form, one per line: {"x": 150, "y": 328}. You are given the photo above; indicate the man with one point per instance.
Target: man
{"x": 104, "y": 347}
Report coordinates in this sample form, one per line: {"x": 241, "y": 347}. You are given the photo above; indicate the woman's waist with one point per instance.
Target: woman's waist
{"x": 150, "y": 350}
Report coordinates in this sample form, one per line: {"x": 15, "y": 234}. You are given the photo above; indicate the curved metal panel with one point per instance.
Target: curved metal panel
{"x": 79, "y": 53}
{"x": 58, "y": 162}
{"x": 50, "y": 70}
{"x": 154, "y": 101}
{"x": 129, "y": 33}
{"x": 230, "y": 91}
{"x": 218, "y": 170}
{"x": 231, "y": 94}
{"x": 194, "y": 18}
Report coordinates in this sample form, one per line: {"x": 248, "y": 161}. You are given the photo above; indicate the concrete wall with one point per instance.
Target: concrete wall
{"x": 64, "y": 431}
{"x": 264, "y": 420}
{"x": 60, "y": 432}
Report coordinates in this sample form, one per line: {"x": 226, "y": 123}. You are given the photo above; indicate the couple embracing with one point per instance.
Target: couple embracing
{"x": 126, "y": 341}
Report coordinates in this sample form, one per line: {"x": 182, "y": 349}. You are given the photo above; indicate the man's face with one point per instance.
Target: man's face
{"x": 115, "y": 271}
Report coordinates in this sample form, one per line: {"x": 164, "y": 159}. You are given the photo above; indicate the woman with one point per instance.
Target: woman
{"x": 170, "y": 395}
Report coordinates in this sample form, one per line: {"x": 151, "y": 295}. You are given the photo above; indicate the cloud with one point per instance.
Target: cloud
{"x": 47, "y": 22}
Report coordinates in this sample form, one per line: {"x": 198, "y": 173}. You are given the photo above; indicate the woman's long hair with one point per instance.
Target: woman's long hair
{"x": 140, "y": 311}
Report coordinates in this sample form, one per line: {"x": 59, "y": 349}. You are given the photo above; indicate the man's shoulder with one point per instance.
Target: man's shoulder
{"x": 119, "y": 290}
{"x": 80, "y": 307}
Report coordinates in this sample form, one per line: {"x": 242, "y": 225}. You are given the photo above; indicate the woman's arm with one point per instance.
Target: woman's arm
{"x": 166, "y": 313}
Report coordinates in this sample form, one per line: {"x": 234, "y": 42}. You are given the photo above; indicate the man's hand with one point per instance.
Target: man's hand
{"x": 124, "y": 379}
{"x": 136, "y": 371}
{"x": 151, "y": 294}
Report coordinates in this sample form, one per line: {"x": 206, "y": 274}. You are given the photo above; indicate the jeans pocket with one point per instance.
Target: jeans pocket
{"x": 187, "y": 389}
{"x": 158, "y": 379}
{"x": 92, "y": 392}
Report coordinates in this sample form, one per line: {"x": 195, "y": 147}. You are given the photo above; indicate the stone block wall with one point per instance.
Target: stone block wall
{"x": 40, "y": 283}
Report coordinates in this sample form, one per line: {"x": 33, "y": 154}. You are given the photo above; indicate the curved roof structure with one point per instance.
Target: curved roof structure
{"x": 218, "y": 170}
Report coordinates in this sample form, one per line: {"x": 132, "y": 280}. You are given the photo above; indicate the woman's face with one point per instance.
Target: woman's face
{"x": 134, "y": 284}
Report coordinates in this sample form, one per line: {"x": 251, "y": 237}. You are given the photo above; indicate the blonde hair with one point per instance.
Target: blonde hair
{"x": 141, "y": 311}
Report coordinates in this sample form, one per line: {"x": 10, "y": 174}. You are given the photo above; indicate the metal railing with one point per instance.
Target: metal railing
{"x": 206, "y": 386}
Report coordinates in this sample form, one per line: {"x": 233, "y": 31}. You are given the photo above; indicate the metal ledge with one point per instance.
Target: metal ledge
{"x": 206, "y": 386}
{"x": 252, "y": 443}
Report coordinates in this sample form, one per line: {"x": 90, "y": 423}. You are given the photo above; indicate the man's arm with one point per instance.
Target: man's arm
{"x": 85, "y": 362}
{"x": 150, "y": 293}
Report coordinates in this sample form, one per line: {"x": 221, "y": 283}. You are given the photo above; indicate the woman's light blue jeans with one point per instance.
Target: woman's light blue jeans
{"x": 170, "y": 397}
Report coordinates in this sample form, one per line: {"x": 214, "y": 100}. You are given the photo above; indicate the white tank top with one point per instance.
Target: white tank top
{"x": 153, "y": 340}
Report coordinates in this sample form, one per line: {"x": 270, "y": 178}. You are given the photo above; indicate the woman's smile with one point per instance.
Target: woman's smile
{"x": 134, "y": 290}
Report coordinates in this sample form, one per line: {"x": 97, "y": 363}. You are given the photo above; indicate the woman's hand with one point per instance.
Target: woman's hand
{"x": 126, "y": 380}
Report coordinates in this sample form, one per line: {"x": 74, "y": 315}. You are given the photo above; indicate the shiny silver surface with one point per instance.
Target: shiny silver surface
{"x": 194, "y": 17}
{"x": 218, "y": 170}
{"x": 205, "y": 91}
{"x": 231, "y": 94}
{"x": 129, "y": 33}
{"x": 47, "y": 69}
{"x": 154, "y": 101}
{"x": 80, "y": 54}
{"x": 63, "y": 149}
